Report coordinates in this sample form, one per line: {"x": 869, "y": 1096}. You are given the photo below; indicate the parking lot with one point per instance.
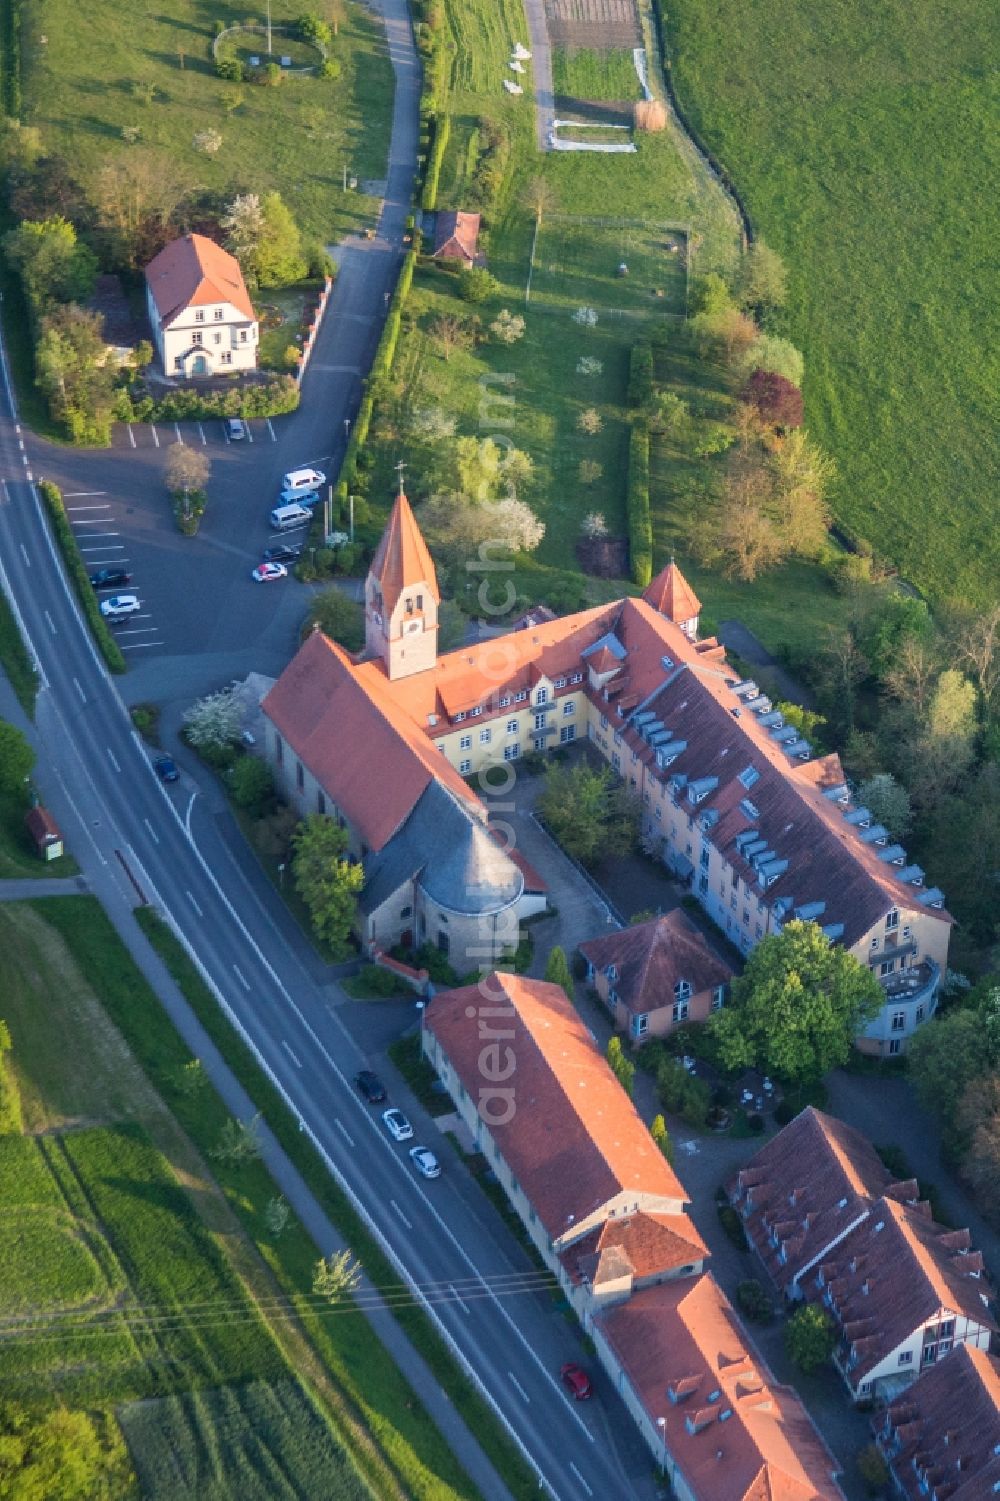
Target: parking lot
{"x": 208, "y": 433}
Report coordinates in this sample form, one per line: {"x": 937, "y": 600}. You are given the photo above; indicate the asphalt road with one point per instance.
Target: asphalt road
{"x": 152, "y": 842}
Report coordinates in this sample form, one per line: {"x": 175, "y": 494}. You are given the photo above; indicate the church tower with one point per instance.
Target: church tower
{"x": 401, "y": 597}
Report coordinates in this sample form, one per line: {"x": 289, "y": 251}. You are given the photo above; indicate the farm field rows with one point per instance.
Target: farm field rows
{"x": 866, "y": 145}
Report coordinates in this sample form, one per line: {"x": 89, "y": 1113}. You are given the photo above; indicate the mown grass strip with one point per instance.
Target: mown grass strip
{"x": 15, "y": 659}
{"x": 77, "y": 570}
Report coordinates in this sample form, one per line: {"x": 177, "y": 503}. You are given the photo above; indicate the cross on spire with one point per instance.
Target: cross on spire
{"x": 400, "y": 469}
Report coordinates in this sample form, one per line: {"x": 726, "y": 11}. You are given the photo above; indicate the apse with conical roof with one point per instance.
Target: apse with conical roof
{"x": 672, "y": 595}
{"x": 402, "y": 597}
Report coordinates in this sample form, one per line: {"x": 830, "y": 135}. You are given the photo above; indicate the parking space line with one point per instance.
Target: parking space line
{"x": 249, "y": 433}
{"x": 201, "y": 433}
{"x": 156, "y": 438}
{"x": 131, "y": 434}
{"x": 138, "y": 645}
{"x": 81, "y": 494}
{"x": 274, "y": 436}
{"x": 177, "y": 430}
{"x": 106, "y": 547}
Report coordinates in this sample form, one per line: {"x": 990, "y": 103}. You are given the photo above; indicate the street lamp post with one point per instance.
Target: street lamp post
{"x": 281, "y": 874}
{"x": 347, "y": 428}
{"x": 661, "y": 1423}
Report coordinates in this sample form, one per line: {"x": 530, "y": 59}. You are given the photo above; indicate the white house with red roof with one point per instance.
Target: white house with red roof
{"x": 200, "y": 312}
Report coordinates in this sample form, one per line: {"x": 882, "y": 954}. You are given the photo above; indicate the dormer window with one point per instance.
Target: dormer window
{"x": 459, "y": 716}
{"x": 748, "y": 776}
{"x": 520, "y": 697}
{"x": 560, "y": 683}
{"x": 477, "y": 710}
{"x": 505, "y": 701}
{"x": 577, "y": 677}
{"x": 612, "y": 971}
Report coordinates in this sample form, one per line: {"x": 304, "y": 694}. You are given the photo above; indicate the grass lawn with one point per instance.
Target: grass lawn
{"x": 15, "y": 661}
{"x": 849, "y": 133}
{"x": 580, "y": 73}
{"x": 576, "y": 263}
{"x": 18, "y": 859}
{"x": 282, "y": 314}
{"x": 81, "y": 82}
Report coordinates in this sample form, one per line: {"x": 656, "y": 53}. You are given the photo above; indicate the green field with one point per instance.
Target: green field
{"x": 576, "y": 263}
{"x": 85, "y": 71}
{"x": 579, "y": 73}
{"x": 866, "y": 143}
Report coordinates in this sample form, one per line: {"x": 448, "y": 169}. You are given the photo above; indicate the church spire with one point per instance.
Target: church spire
{"x": 402, "y": 595}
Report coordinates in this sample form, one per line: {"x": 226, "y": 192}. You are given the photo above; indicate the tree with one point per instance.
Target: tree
{"x": 451, "y": 334}
{"x": 589, "y": 472}
{"x": 710, "y": 294}
{"x": 50, "y": 1456}
{"x": 726, "y": 335}
{"x": 476, "y": 284}
{"x": 776, "y": 400}
{"x": 507, "y": 327}
{"x": 944, "y": 1057}
{"x": 276, "y": 1215}
{"x": 962, "y": 845}
{"x": 873, "y": 1470}
{"x": 192, "y": 1079}
{"x": 482, "y": 470}
{"x": 802, "y": 474}
{"x": 336, "y": 1276}
{"x": 53, "y": 266}
{"x": 433, "y": 424}
{"x": 315, "y": 29}
{"x": 136, "y": 195}
{"x": 912, "y": 673}
{"x": 278, "y": 260}
{"x": 887, "y": 801}
{"x": 978, "y": 649}
{"x": 810, "y": 1337}
{"x": 208, "y": 142}
{"x": 747, "y": 534}
{"x": 540, "y": 197}
{"x": 452, "y": 522}
{"x": 251, "y": 784}
{"x": 797, "y": 1007}
{"x": 586, "y": 812}
{"x": 239, "y": 1141}
{"x": 339, "y": 617}
{"x": 658, "y": 1131}
{"x": 327, "y": 882}
{"x": 883, "y": 632}
{"x": 762, "y": 285}
{"x": 594, "y": 525}
{"x": 557, "y": 972}
{"x": 16, "y": 758}
{"x": 187, "y": 470}
{"x": 623, "y": 1068}
{"x": 589, "y": 421}
{"x": 243, "y": 223}
{"x": 952, "y": 711}
{"x": 74, "y": 373}
{"x": 979, "y": 1119}
{"x": 216, "y": 719}
{"x": 670, "y": 414}
{"x": 809, "y": 724}
{"x": 775, "y": 356}
{"x": 754, "y": 1301}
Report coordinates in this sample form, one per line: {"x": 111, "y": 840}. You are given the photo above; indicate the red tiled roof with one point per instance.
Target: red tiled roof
{"x": 672, "y": 595}
{"x": 652, "y": 957}
{"x": 647, "y": 1245}
{"x": 456, "y": 234}
{"x": 361, "y": 747}
{"x": 194, "y": 271}
{"x": 575, "y": 1140}
{"x": 948, "y": 1424}
{"x": 401, "y": 560}
{"x": 683, "y": 1336}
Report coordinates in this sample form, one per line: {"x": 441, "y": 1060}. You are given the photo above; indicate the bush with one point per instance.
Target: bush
{"x": 682, "y": 1095}
{"x": 189, "y": 508}
{"x": 381, "y": 983}
{"x": 754, "y": 1301}
{"x": 231, "y": 69}
{"x": 273, "y": 397}
{"x": 873, "y": 1470}
{"x": 640, "y": 376}
{"x": 146, "y": 718}
{"x": 328, "y": 69}
{"x": 441, "y": 128}
{"x": 640, "y": 523}
{"x": 338, "y": 617}
{"x": 732, "y": 1226}
{"x": 476, "y": 284}
{"x": 109, "y": 648}
{"x": 252, "y": 785}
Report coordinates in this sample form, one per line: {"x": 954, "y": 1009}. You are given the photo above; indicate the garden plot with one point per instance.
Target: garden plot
{"x": 593, "y": 23}
{"x": 576, "y": 263}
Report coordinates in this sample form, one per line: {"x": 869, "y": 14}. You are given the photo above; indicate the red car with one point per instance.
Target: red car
{"x": 576, "y": 1381}
{"x": 267, "y": 573}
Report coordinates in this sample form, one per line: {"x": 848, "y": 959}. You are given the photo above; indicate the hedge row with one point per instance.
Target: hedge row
{"x": 381, "y": 366}
{"x": 77, "y": 570}
{"x": 640, "y": 375}
{"x": 10, "y": 40}
{"x": 440, "y": 128}
{"x": 640, "y": 522}
{"x": 271, "y": 398}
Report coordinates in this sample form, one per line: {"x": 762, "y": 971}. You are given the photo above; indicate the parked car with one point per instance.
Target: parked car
{"x": 289, "y": 497}
{"x": 425, "y": 1162}
{"x": 371, "y": 1086}
{"x": 119, "y": 606}
{"x": 282, "y": 553}
{"x": 576, "y": 1381}
{"x": 267, "y": 573}
{"x": 298, "y": 480}
{"x": 397, "y": 1125}
{"x": 166, "y": 769}
{"x": 110, "y": 578}
{"x": 236, "y": 429}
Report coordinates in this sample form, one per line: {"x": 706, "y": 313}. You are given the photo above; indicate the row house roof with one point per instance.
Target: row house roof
{"x": 639, "y": 1246}
{"x": 943, "y": 1433}
{"x": 194, "y": 271}
{"x": 651, "y": 958}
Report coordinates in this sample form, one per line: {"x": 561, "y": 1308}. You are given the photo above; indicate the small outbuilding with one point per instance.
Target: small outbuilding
{"x": 456, "y": 237}
{"x": 44, "y": 832}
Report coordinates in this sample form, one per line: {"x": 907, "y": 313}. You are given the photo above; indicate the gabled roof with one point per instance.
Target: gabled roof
{"x": 361, "y": 747}
{"x": 894, "y": 1272}
{"x": 948, "y": 1426}
{"x": 575, "y": 1140}
{"x": 652, "y": 957}
{"x": 456, "y": 233}
{"x": 402, "y": 560}
{"x": 752, "y": 1440}
{"x": 643, "y": 1245}
{"x": 672, "y": 595}
{"x": 808, "y": 1184}
{"x": 192, "y": 272}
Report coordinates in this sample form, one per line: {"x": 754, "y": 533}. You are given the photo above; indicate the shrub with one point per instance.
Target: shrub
{"x": 109, "y": 648}
{"x": 810, "y": 1337}
{"x": 732, "y": 1225}
{"x": 329, "y": 69}
{"x": 476, "y": 284}
{"x": 231, "y": 69}
{"x": 754, "y": 1301}
{"x": 681, "y": 1094}
{"x": 252, "y": 785}
{"x": 640, "y": 523}
{"x": 873, "y": 1470}
{"x": 146, "y": 718}
{"x": 382, "y": 983}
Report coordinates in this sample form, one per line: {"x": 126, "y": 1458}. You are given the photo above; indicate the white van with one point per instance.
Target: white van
{"x": 285, "y": 518}
{"x": 303, "y": 479}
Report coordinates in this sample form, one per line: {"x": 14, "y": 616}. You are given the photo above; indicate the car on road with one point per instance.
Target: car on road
{"x": 110, "y": 578}
{"x": 268, "y": 573}
{"x": 425, "y": 1162}
{"x": 236, "y": 429}
{"x": 166, "y": 769}
{"x": 397, "y": 1125}
{"x": 282, "y": 554}
{"x": 308, "y": 498}
{"x": 119, "y": 606}
{"x": 576, "y": 1381}
{"x": 371, "y": 1086}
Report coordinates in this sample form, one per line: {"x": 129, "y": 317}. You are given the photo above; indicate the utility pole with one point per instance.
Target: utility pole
{"x": 269, "y": 28}
{"x": 345, "y": 177}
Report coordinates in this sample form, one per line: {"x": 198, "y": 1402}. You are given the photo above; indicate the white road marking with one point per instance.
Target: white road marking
{"x": 248, "y": 432}
{"x": 156, "y": 436}
{"x": 517, "y": 1386}
{"x": 100, "y": 506}
{"x": 291, "y": 1055}
{"x": 48, "y": 617}
{"x": 111, "y": 758}
{"x": 463, "y": 1306}
{"x": 93, "y": 520}
{"x": 194, "y": 904}
{"x": 344, "y": 1132}
{"x": 77, "y": 685}
{"x": 201, "y": 433}
{"x": 177, "y": 430}
{"x": 274, "y": 436}
{"x": 402, "y": 1216}
{"x": 131, "y": 434}
{"x": 81, "y": 494}
{"x": 24, "y": 555}
{"x": 30, "y": 477}
{"x": 149, "y": 826}
{"x": 138, "y": 645}
{"x": 105, "y": 547}
{"x": 241, "y": 977}
{"x": 579, "y": 1477}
